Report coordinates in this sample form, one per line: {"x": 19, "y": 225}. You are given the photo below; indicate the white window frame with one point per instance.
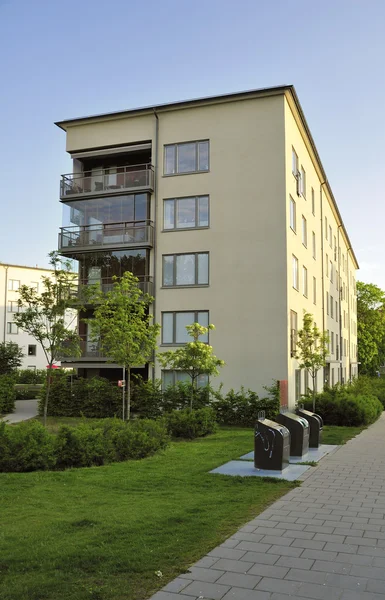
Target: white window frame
{"x": 13, "y": 285}
{"x": 293, "y": 215}
{"x": 314, "y": 246}
{"x": 294, "y": 162}
{"x": 304, "y": 281}
{"x": 312, "y": 201}
{"x": 304, "y": 231}
{"x": 303, "y": 182}
{"x": 295, "y": 272}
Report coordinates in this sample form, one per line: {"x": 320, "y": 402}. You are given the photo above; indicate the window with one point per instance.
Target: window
{"x": 335, "y": 248}
{"x": 295, "y": 272}
{"x": 186, "y": 269}
{"x": 189, "y": 157}
{"x": 306, "y": 381}
{"x": 304, "y": 281}
{"x": 294, "y": 162}
{"x": 330, "y": 237}
{"x": 314, "y": 290}
{"x": 293, "y": 331}
{"x": 297, "y": 385}
{"x": 13, "y": 306}
{"x": 328, "y": 341}
{"x": 171, "y": 378}
{"x": 12, "y": 328}
{"x": 32, "y": 350}
{"x": 186, "y": 213}
{"x": 303, "y": 182}
{"x": 174, "y": 326}
{"x": 312, "y": 201}
{"x": 314, "y": 246}
{"x": 332, "y": 343}
{"x": 327, "y": 303}
{"x": 34, "y": 285}
{"x": 331, "y": 272}
{"x": 327, "y": 266}
{"x": 13, "y": 284}
{"x": 326, "y": 228}
{"x": 293, "y": 215}
{"x": 336, "y": 311}
{"x": 304, "y": 231}
{"x": 332, "y": 307}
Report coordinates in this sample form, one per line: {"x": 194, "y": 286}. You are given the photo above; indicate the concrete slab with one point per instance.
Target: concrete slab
{"x": 313, "y": 455}
{"x": 246, "y": 469}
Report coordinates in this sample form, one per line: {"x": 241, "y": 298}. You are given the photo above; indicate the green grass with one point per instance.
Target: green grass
{"x": 102, "y": 533}
{"x": 332, "y": 434}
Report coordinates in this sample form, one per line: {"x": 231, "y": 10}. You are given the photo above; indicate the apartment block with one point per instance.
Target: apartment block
{"x": 222, "y": 209}
{"x": 12, "y": 277}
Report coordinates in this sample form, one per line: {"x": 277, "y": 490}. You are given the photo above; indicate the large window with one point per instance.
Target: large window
{"x": 186, "y": 269}
{"x": 174, "y": 326}
{"x": 295, "y": 274}
{"x": 14, "y": 284}
{"x": 171, "y": 378}
{"x": 293, "y": 215}
{"x": 186, "y": 213}
{"x": 13, "y": 306}
{"x": 189, "y": 157}
{"x": 12, "y": 328}
{"x": 106, "y": 210}
{"x": 100, "y": 267}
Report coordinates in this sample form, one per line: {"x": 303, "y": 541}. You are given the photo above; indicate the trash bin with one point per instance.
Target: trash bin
{"x": 316, "y": 426}
{"x": 271, "y": 445}
{"x": 299, "y": 432}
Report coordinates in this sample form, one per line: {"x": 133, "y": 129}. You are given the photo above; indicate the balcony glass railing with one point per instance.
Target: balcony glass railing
{"x": 101, "y": 181}
{"x": 79, "y": 292}
{"x": 129, "y": 234}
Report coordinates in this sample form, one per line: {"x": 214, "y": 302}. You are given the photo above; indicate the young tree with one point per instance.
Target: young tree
{"x": 11, "y": 356}
{"x": 122, "y": 326}
{"x": 370, "y": 327}
{"x": 47, "y": 316}
{"x": 311, "y": 349}
{"x": 196, "y": 358}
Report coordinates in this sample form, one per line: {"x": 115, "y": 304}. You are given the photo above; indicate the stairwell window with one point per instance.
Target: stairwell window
{"x": 187, "y": 157}
{"x": 186, "y": 269}
{"x": 293, "y": 331}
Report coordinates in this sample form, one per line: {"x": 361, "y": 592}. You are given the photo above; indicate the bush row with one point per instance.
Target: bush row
{"x": 7, "y": 394}
{"x": 30, "y": 375}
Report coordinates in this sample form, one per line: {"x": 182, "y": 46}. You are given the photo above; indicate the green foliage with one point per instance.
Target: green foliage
{"x": 93, "y": 398}
{"x": 7, "y": 394}
{"x": 122, "y": 325}
{"x": 23, "y": 376}
{"x": 196, "y": 358}
{"x": 191, "y": 424}
{"x": 25, "y": 391}
{"x": 346, "y": 405}
{"x": 370, "y": 327}
{"x": 150, "y": 401}
{"x": 11, "y": 356}
{"x": 29, "y": 447}
{"x": 25, "y": 447}
{"x": 242, "y": 407}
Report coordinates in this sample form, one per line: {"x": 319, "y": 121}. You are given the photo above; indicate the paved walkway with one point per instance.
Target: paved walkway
{"x": 25, "y": 409}
{"x": 323, "y": 540}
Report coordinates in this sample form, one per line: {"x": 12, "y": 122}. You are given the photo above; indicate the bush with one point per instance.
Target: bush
{"x": 26, "y": 447}
{"x": 342, "y": 406}
{"x": 191, "y": 424}
{"x": 7, "y": 394}
{"x": 27, "y": 391}
{"x": 29, "y": 447}
{"x": 30, "y": 375}
{"x": 242, "y": 408}
{"x": 150, "y": 401}
{"x": 93, "y": 398}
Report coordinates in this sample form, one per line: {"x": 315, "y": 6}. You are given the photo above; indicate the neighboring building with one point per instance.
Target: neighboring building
{"x": 12, "y": 277}
{"x": 222, "y": 208}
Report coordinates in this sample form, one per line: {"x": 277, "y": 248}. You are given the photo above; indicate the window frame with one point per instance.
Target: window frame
{"x": 175, "y": 145}
{"x": 11, "y": 287}
{"x": 294, "y": 162}
{"x": 303, "y": 182}
{"x": 32, "y": 353}
{"x": 196, "y": 271}
{"x": 304, "y": 231}
{"x": 305, "y": 282}
{"x": 314, "y": 243}
{"x": 174, "y": 313}
{"x": 313, "y": 201}
{"x": 175, "y": 201}
{"x": 295, "y": 262}
{"x": 314, "y": 290}
{"x": 175, "y": 381}
{"x": 10, "y": 325}
{"x": 293, "y": 205}
{"x": 10, "y": 306}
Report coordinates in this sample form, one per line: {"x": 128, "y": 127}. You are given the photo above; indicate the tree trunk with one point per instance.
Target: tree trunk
{"x": 193, "y": 389}
{"x": 314, "y": 392}
{"x": 47, "y": 396}
{"x": 128, "y": 385}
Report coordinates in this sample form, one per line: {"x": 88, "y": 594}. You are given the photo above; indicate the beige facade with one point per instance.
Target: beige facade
{"x": 11, "y": 278}
{"x": 248, "y": 180}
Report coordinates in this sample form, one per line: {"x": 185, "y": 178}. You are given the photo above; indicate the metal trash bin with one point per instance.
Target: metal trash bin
{"x": 271, "y": 445}
{"x": 316, "y": 426}
{"x": 299, "y": 432}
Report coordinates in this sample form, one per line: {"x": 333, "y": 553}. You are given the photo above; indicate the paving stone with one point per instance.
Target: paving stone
{"x": 237, "y": 593}
{"x": 285, "y": 551}
{"x": 315, "y": 591}
{"x": 319, "y": 528}
{"x": 252, "y": 546}
{"x": 162, "y": 595}
{"x": 295, "y": 563}
{"x": 271, "y": 539}
{"x": 347, "y": 581}
{"x": 332, "y": 567}
{"x": 213, "y": 591}
{"x": 360, "y": 541}
{"x": 311, "y": 544}
{"x": 250, "y": 537}
{"x": 300, "y": 535}
{"x": 370, "y": 572}
{"x": 210, "y": 575}
{"x": 241, "y": 580}
{"x": 206, "y": 562}
{"x": 176, "y": 585}
{"x": 319, "y": 554}
{"x": 282, "y": 586}
{"x": 307, "y": 576}
{"x": 375, "y": 585}
{"x": 238, "y": 566}
{"x": 269, "y": 571}
{"x": 349, "y": 548}
{"x": 227, "y": 553}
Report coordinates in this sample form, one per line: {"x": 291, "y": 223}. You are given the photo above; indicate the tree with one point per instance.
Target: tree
{"x": 312, "y": 346}
{"x": 195, "y": 358}
{"x": 46, "y": 316}
{"x": 11, "y": 356}
{"x": 370, "y": 327}
{"x": 121, "y": 324}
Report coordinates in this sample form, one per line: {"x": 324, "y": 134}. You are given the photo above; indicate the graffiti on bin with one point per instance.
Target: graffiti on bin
{"x": 267, "y": 446}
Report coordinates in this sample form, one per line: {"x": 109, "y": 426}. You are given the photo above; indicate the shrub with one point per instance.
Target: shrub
{"x": 82, "y": 446}
{"x": 7, "y": 394}
{"x": 191, "y": 424}
{"x": 342, "y": 406}
{"x": 30, "y": 375}
{"x": 26, "y": 447}
{"x": 150, "y": 401}
{"x": 27, "y": 391}
{"x": 242, "y": 408}
{"x": 179, "y": 396}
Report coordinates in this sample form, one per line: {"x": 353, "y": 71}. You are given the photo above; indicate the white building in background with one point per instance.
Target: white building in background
{"x": 11, "y": 278}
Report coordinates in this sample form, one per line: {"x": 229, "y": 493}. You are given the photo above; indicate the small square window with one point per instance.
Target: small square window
{"x": 32, "y": 350}
{"x": 13, "y": 285}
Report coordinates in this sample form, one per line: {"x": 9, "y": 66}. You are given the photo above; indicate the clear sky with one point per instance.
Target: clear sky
{"x": 70, "y": 58}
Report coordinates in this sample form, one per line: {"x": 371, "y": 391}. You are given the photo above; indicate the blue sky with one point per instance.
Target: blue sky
{"x": 73, "y": 58}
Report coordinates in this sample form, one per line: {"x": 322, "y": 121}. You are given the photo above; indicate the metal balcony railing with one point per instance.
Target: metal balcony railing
{"x": 130, "y": 234}
{"x": 107, "y": 181}
{"x": 79, "y": 292}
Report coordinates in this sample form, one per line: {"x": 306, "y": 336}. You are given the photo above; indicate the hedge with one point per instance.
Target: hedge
{"x": 343, "y": 406}
{"x": 191, "y": 424}
{"x": 7, "y": 394}
{"x": 242, "y": 407}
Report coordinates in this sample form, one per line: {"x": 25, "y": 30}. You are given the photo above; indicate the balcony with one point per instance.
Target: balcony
{"x": 79, "y": 293}
{"x": 132, "y": 234}
{"x": 102, "y": 182}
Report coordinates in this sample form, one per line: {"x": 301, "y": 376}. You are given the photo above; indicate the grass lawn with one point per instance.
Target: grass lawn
{"x": 102, "y": 533}
{"x": 332, "y": 434}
